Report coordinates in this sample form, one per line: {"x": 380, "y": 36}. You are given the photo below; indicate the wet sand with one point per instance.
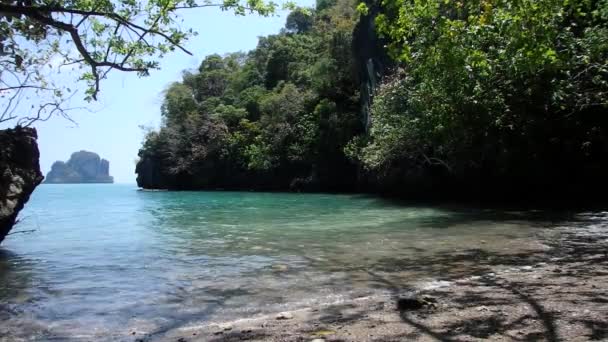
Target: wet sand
{"x": 556, "y": 293}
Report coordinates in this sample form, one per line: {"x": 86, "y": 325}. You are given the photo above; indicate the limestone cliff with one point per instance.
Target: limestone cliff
{"x": 372, "y": 60}
{"x": 19, "y": 173}
{"x": 83, "y": 167}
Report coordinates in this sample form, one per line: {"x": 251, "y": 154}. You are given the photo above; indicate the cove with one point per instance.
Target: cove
{"x": 105, "y": 260}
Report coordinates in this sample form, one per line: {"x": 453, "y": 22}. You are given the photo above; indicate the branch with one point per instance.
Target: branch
{"x": 435, "y": 161}
{"x": 43, "y": 115}
{"x": 22, "y": 232}
{"x": 42, "y": 14}
{"x": 36, "y": 10}
{"x": 211, "y": 5}
{"x": 7, "y": 113}
{"x": 73, "y": 31}
{"x": 24, "y": 87}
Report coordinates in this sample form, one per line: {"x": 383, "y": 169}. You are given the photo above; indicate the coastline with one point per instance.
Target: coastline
{"x": 569, "y": 202}
{"x": 554, "y": 294}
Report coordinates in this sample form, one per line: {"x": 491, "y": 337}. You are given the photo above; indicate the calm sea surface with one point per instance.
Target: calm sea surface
{"x": 106, "y": 260}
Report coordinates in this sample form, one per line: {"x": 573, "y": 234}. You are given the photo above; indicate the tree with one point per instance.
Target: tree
{"x": 299, "y": 21}
{"x": 95, "y": 37}
{"x": 493, "y": 89}
{"x": 281, "y": 114}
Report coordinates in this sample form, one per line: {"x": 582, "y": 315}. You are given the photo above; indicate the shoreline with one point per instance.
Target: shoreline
{"x": 553, "y": 295}
{"x": 513, "y": 202}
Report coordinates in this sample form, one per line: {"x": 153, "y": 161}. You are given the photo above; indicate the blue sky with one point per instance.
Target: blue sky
{"x": 111, "y": 129}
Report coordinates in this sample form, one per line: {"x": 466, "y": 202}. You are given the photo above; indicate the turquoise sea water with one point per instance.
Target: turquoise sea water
{"x": 106, "y": 260}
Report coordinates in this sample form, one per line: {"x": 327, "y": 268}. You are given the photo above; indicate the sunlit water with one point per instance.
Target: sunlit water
{"x": 105, "y": 260}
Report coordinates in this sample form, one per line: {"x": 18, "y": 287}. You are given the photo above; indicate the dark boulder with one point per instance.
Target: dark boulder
{"x": 19, "y": 173}
{"x": 412, "y": 303}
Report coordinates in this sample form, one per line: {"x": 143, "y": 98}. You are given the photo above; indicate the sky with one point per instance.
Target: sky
{"x": 111, "y": 127}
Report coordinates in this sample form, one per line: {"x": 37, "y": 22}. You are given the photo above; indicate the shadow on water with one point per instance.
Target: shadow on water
{"x": 15, "y": 276}
{"x": 17, "y": 279}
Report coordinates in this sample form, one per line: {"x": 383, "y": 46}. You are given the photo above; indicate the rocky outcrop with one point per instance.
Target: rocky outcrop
{"x": 83, "y": 167}
{"x": 19, "y": 173}
{"x": 372, "y": 59}
{"x": 149, "y": 174}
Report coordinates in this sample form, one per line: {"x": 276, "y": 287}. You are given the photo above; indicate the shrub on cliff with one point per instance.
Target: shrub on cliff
{"x": 494, "y": 89}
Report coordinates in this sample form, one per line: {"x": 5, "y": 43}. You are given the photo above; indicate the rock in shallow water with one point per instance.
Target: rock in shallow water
{"x": 284, "y": 315}
{"x": 280, "y": 268}
{"x": 225, "y": 326}
{"x": 415, "y": 303}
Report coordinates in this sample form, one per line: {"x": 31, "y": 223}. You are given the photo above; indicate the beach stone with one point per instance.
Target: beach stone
{"x": 318, "y": 340}
{"x": 416, "y": 303}
{"x": 284, "y": 315}
{"x": 409, "y": 304}
{"x": 429, "y": 299}
{"x": 280, "y": 268}
{"x": 225, "y": 326}
{"x": 436, "y": 284}
{"x": 323, "y": 333}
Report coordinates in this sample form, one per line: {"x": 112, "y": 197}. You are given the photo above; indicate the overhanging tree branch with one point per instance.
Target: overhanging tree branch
{"x": 103, "y": 35}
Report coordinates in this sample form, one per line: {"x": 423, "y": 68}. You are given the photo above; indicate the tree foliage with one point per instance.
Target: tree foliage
{"x": 279, "y": 115}
{"x": 94, "y": 37}
{"x": 486, "y": 95}
{"x": 493, "y": 88}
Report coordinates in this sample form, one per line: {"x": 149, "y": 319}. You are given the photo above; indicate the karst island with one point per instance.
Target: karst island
{"x": 82, "y": 167}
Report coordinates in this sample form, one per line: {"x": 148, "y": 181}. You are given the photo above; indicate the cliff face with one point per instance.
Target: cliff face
{"x": 372, "y": 60}
{"x": 83, "y": 167}
{"x": 149, "y": 175}
{"x": 19, "y": 173}
{"x": 330, "y": 171}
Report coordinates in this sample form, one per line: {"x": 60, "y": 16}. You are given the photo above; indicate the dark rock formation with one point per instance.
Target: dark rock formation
{"x": 19, "y": 173}
{"x": 373, "y": 63}
{"x": 83, "y": 167}
{"x": 372, "y": 60}
{"x": 149, "y": 174}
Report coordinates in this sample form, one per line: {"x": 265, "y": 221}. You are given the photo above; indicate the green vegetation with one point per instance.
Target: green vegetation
{"x": 90, "y": 37}
{"x": 486, "y": 95}
{"x": 494, "y": 90}
{"x": 278, "y": 117}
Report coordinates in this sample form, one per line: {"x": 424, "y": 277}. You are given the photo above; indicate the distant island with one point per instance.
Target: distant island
{"x": 83, "y": 167}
